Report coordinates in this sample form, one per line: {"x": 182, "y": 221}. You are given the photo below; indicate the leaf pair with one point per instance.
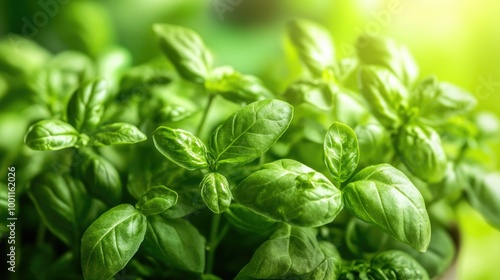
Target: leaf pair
{"x": 290, "y": 192}
{"x": 113, "y": 239}
{"x": 242, "y": 138}
{"x": 84, "y": 114}
{"x": 379, "y": 194}
{"x": 194, "y": 62}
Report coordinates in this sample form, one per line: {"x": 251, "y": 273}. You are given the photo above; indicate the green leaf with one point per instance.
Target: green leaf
{"x": 374, "y": 142}
{"x": 156, "y": 200}
{"x": 314, "y": 45}
{"x": 87, "y": 104}
{"x": 246, "y": 219}
{"x": 176, "y": 243}
{"x": 438, "y": 257}
{"x": 397, "y": 265}
{"x": 64, "y": 205}
{"x": 483, "y": 193}
{"x": 386, "y": 53}
{"x": 101, "y": 178}
{"x": 215, "y": 192}
{"x": 117, "y": 133}
{"x": 385, "y": 95}
{"x": 236, "y": 87}
{"x": 314, "y": 93}
{"x": 439, "y": 101}
{"x": 383, "y": 196}
{"x": 331, "y": 267}
{"x": 186, "y": 50}
{"x": 111, "y": 241}
{"x": 250, "y": 132}
{"x": 288, "y": 191}
{"x": 181, "y": 147}
{"x": 290, "y": 251}
{"x": 51, "y": 135}
{"x": 420, "y": 149}
{"x": 341, "y": 152}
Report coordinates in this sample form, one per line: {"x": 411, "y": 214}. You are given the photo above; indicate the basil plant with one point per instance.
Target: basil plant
{"x": 180, "y": 168}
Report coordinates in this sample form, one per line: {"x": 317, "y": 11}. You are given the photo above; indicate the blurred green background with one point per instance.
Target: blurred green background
{"x": 458, "y": 40}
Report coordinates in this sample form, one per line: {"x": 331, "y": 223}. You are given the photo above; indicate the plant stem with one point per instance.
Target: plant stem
{"x": 212, "y": 242}
{"x": 205, "y": 114}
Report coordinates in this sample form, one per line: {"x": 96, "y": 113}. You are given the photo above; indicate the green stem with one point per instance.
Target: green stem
{"x": 205, "y": 114}
{"x": 212, "y": 242}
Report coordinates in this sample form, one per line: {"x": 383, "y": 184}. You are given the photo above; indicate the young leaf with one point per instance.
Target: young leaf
{"x": 117, "y": 133}
{"x": 236, "y": 87}
{"x": 63, "y": 204}
{"x": 186, "y": 50}
{"x": 314, "y": 45}
{"x": 483, "y": 193}
{"x": 384, "y": 93}
{"x": 51, "y": 135}
{"x": 86, "y": 106}
{"x": 101, "y": 178}
{"x": 215, "y": 192}
{"x": 397, "y": 265}
{"x": 111, "y": 241}
{"x": 288, "y": 191}
{"x": 291, "y": 251}
{"x": 386, "y": 53}
{"x": 176, "y": 243}
{"x": 420, "y": 149}
{"x": 341, "y": 152}
{"x": 439, "y": 101}
{"x": 156, "y": 200}
{"x": 250, "y": 132}
{"x": 383, "y": 196}
{"x": 181, "y": 147}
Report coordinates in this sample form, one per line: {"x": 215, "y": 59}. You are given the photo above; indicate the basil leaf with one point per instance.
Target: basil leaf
{"x": 439, "y": 101}
{"x": 386, "y": 53}
{"x": 51, "y": 135}
{"x": 246, "y": 219}
{"x": 236, "y": 87}
{"x": 250, "y": 132}
{"x": 290, "y": 251}
{"x": 383, "y": 196}
{"x": 64, "y": 205}
{"x": 314, "y": 45}
{"x": 331, "y": 267}
{"x": 86, "y": 106}
{"x": 181, "y": 147}
{"x": 215, "y": 192}
{"x": 175, "y": 242}
{"x": 438, "y": 257}
{"x": 483, "y": 193}
{"x": 374, "y": 142}
{"x": 101, "y": 178}
{"x": 420, "y": 149}
{"x": 111, "y": 241}
{"x": 156, "y": 200}
{"x": 314, "y": 93}
{"x": 186, "y": 50}
{"x": 397, "y": 265}
{"x": 385, "y": 95}
{"x": 288, "y": 191}
{"x": 117, "y": 133}
{"x": 341, "y": 152}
